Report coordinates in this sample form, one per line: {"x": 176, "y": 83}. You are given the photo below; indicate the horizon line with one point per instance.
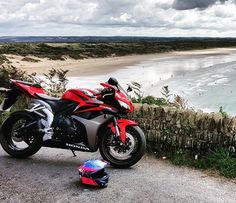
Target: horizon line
{"x": 102, "y": 36}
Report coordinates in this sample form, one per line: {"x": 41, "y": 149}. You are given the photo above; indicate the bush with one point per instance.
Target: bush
{"x": 218, "y": 159}
{"x": 222, "y": 161}
{"x": 3, "y": 59}
{"x": 8, "y": 72}
{"x": 179, "y": 158}
{"x": 56, "y": 83}
{"x": 151, "y": 100}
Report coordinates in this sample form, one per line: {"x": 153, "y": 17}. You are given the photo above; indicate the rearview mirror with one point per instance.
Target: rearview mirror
{"x": 113, "y": 81}
{"x": 129, "y": 89}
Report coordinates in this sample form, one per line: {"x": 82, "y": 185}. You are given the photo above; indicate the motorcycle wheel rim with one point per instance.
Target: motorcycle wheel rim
{"x": 18, "y": 141}
{"x": 120, "y": 151}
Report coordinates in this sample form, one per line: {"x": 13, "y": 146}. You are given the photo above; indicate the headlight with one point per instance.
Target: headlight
{"x": 124, "y": 105}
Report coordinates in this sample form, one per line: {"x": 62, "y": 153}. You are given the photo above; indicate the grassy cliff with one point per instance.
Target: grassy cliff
{"x": 105, "y": 49}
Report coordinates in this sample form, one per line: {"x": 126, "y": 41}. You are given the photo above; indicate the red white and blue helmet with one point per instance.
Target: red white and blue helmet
{"x": 92, "y": 172}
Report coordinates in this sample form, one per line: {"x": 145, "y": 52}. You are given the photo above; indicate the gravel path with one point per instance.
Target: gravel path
{"x": 51, "y": 176}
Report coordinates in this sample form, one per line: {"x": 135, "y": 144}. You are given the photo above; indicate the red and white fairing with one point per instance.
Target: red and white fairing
{"x": 86, "y": 98}
{"x": 81, "y": 120}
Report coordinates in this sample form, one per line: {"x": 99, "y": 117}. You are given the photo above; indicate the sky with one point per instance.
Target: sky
{"x": 159, "y": 18}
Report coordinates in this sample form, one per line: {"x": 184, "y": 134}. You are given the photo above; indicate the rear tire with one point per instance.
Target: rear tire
{"x": 137, "y": 153}
{"x": 7, "y": 137}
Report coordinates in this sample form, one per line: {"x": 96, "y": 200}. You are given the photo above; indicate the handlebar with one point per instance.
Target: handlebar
{"x": 107, "y": 90}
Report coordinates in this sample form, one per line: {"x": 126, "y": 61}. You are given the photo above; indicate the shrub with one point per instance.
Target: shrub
{"x": 3, "y": 59}
{"x": 56, "y": 81}
{"x": 180, "y": 102}
{"x": 8, "y": 72}
{"x": 222, "y": 112}
{"x": 166, "y": 93}
{"x": 150, "y": 100}
{"x": 219, "y": 159}
{"x": 56, "y": 84}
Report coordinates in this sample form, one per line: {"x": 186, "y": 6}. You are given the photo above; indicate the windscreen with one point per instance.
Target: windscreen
{"x": 122, "y": 90}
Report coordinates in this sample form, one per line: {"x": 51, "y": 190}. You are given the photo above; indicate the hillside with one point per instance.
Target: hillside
{"x": 103, "y": 47}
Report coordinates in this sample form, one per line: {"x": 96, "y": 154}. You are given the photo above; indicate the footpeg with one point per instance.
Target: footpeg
{"x": 48, "y": 133}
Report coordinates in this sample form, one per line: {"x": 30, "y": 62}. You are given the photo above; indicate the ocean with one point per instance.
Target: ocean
{"x": 205, "y": 81}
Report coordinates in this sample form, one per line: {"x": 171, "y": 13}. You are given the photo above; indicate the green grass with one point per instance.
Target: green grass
{"x": 151, "y": 100}
{"x": 219, "y": 159}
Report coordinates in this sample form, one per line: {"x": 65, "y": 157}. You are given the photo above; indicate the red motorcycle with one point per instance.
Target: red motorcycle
{"x": 81, "y": 120}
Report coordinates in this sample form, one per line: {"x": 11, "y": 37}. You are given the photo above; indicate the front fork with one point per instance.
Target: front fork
{"x": 117, "y": 130}
{"x": 118, "y": 127}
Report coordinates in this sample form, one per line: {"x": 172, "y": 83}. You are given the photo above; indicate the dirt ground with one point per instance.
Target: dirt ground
{"x": 51, "y": 176}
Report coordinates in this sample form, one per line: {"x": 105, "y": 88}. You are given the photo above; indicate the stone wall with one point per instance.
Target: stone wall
{"x": 169, "y": 129}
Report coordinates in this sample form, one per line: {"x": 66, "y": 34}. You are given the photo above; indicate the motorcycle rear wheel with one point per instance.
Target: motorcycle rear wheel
{"x": 19, "y": 145}
{"x": 123, "y": 155}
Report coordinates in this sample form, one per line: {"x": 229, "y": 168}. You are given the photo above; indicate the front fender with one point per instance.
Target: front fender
{"x": 122, "y": 124}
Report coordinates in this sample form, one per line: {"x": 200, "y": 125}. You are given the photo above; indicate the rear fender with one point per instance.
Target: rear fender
{"x": 28, "y": 89}
{"x": 122, "y": 125}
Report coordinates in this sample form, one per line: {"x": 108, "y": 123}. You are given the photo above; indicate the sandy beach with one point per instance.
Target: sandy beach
{"x": 99, "y": 66}
{"x": 203, "y": 77}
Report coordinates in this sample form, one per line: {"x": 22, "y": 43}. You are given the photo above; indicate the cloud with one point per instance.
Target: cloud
{"x": 123, "y": 17}
{"x": 191, "y": 4}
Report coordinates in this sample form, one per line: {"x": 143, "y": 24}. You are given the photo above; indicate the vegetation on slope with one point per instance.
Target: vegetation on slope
{"x": 219, "y": 159}
{"x": 105, "y": 49}
{"x": 3, "y": 59}
{"x": 173, "y": 147}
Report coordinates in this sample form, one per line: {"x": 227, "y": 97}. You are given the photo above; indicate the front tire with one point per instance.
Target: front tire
{"x": 19, "y": 145}
{"x": 123, "y": 155}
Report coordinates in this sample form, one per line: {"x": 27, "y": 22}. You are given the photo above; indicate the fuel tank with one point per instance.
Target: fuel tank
{"x": 79, "y": 95}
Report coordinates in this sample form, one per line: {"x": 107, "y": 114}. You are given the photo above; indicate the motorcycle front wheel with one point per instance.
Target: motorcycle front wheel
{"x": 16, "y": 143}
{"x": 123, "y": 155}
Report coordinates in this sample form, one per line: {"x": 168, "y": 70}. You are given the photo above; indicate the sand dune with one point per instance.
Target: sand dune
{"x": 98, "y": 66}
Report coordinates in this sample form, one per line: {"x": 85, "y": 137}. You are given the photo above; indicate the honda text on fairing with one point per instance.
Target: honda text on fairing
{"x": 81, "y": 120}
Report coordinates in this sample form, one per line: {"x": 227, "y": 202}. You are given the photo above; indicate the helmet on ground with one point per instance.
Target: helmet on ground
{"x": 93, "y": 172}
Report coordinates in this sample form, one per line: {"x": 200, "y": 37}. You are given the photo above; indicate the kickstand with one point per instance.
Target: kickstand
{"x": 73, "y": 152}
